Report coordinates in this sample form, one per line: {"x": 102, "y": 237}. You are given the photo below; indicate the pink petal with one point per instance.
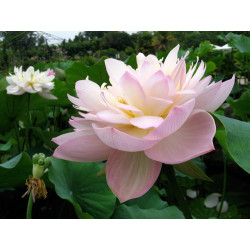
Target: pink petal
{"x": 80, "y": 123}
{"x": 50, "y": 72}
{"x": 146, "y": 122}
{"x": 136, "y": 111}
{"x": 171, "y": 61}
{"x": 156, "y": 77}
{"x": 174, "y": 120}
{"x": 159, "y": 85}
{"x": 140, "y": 58}
{"x": 179, "y": 74}
{"x": 193, "y": 139}
{"x": 65, "y": 137}
{"x": 108, "y": 99}
{"x": 134, "y": 131}
{"x": 115, "y": 68}
{"x": 201, "y": 86}
{"x": 79, "y": 104}
{"x": 132, "y": 90}
{"x": 156, "y": 106}
{"x": 78, "y": 146}
{"x": 130, "y": 175}
{"x": 90, "y": 95}
{"x": 214, "y": 95}
{"x": 198, "y": 75}
{"x": 145, "y": 71}
{"x": 190, "y": 74}
{"x": 151, "y": 59}
{"x": 112, "y": 117}
{"x": 183, "y": 96}
{"x": 117, "y": 139}
{"x": 183, "y": 75}
{"x": 87, "y": 86}
{"x": 91, "y": 117}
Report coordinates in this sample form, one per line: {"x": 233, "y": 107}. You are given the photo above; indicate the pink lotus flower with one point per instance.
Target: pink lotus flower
{"x": 152, "y": 115}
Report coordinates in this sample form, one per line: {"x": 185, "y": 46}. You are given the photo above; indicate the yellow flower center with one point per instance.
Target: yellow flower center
{"x": 31, "y": 82}
{"x": 121, "y": 100}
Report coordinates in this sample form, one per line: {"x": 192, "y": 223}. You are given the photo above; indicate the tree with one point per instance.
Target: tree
{"x": 19, "y": 40}
{"x": 116, "y": 40}
{"x": 163, "y": 39}
{"x": 16, "y": 46}
{"x": 144, "y": 42}
{"x": 90, "y": 35}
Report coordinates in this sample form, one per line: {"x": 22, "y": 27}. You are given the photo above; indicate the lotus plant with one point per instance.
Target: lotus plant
{"x": 157, "y": 113}
{"x": 31, "y": 81}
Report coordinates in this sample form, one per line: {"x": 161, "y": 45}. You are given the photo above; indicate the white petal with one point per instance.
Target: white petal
{"x": 191, "y": 193}
{"x": 212, "y": 200}
{"x": 224, "y": 207}
{"x": 47, "y": 95}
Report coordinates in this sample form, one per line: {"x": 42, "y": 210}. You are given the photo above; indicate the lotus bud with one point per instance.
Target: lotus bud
{"x": 41, "y": 156}
{"x": 35, "y": 158}
{"x": 40, "y": 163}
{"x": 60, "y": 74}
{"x": 46, "y": 162}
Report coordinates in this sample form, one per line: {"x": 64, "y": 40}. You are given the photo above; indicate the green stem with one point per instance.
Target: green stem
{"x": 181, "y": 201}
{"x": 54, "y": 118}
{"x": 224, "y": 186}
{"x": 17, "y": 136}
{"x": 28, "y": 123}
{"x": 29, "y": 95}
{"x": 29, "y": 207}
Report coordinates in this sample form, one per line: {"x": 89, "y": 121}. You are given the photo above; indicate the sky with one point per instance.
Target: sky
{"x": 66, "y": 35}
{"x": 62, "y": 34}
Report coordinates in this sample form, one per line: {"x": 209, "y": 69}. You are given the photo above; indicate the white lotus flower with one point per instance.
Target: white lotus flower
{"x": 31, "y": 81}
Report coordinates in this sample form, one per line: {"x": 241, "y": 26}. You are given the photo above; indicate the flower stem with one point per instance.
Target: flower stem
{"x": 29, "y": 95}
{"x": 29, "y": 207}
{"x": 182, "y": 203}
{"x": 224, "y": 185}
{"x": 17, "y": 136}
{"x": 54, "y": 118}
{"x": 28, "y": 123}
